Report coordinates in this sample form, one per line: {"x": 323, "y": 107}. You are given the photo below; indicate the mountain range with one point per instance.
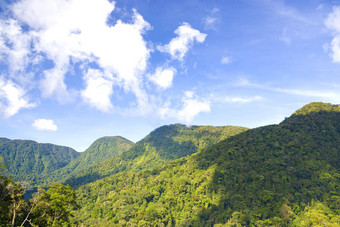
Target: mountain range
{"x": 278, "y": 175}
{"x": 268, "y": 176}
{"x": 27, "y": 159}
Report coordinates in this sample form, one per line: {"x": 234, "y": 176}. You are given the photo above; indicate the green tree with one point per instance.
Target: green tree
{"x": 53, "y": 207}
{"x": 18, "y": 203}
{"x": 317, "y": 214}
{"x": 12, "y": 204}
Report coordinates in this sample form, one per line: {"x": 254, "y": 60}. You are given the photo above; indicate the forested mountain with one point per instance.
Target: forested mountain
{"x": 278, "y": 175}
{"x": 26, "y": 159}
{"x": 100, "y": 150}
{"x": 159, "y": 147}
{"x": 317, "y": 107}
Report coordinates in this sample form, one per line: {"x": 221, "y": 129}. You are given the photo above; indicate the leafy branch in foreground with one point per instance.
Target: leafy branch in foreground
{"x": 53, "y": 207}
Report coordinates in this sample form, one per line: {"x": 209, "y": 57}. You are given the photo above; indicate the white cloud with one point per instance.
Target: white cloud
{"x": 98, "y": 90}
{"x": 241, "y": 100}
{"x": 189, "y": 94}
{"x": 322, "y": 95}
{"x": 163, "y": 77}
{"x": 53, "y": 83}
{"x": 77, "y": 30}
{"x": 179, "y": 46}
{"x": 12, "y": 98}
{"x": 192, "y": 107}
{"x": 17, "y": 48}
{"x": 333, "y": 24}
{"x": 44, "y": 125}
{"x": 73, "y": 36}
{"x": 226, "y": 60}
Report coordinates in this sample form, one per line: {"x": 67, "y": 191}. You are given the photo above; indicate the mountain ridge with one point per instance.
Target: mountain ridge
{"x": 160, "y": 146}
{"x": 317, "y": 107}
{"x": 265, "y": 176}
{"x": 25, "y": 159}
{"x": 101, "y": 149}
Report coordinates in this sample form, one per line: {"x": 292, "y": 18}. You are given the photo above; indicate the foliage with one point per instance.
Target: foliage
{"x": 53, "y": 207}
{"x": 159, "y": 147}
{"x": 26, "y": 159}
{"x": 265, "y": 177}
{"x": 317, "y": 107}
{"x": 12, "y": 204}
{"x": 102, "y": 149}
{"x": 317, "y": 214}
{"x": 278, "y": 175}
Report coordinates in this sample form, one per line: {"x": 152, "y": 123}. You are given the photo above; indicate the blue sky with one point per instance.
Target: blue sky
{"x": 73, "y": 71}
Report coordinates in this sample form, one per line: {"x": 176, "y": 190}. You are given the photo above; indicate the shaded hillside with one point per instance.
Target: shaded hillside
{"x": 159, "y": 147}
{"x": 278, "y": 175}
{"x": 27, "y": 159}
{"x": 100, "y": 150}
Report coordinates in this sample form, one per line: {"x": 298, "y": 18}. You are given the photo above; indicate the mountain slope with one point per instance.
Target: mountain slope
{"x": 159, "y": 147}
{"x": 317, "y": 107}
{"x": 100, "y": 150}
{"x": 27, "y": 159}
{"x": 267, "y": 176}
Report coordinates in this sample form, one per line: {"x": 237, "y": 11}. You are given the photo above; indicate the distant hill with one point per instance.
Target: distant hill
{"x": 100, "y": 150}
{"x": 159, "y": 147}
{"x": 26, "y": 159}
{"x": 278, "y": 175}
{"x": 317, "y": 107}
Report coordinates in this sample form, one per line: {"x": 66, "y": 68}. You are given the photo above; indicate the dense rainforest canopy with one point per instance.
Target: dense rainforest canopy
{"x": 277, "y": 175}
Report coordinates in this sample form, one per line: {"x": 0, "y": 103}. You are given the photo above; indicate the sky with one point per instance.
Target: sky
{"x": 72, "y": 71}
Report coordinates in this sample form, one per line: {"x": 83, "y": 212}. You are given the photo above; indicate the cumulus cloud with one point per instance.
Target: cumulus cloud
{"x": 12, "y": 98}
{"x": 44, "y": 125}
{"x": 163, "y": 77}
{"x": 98, "y": 90}
{"x": 77, "y": 31}
{"x": 191, "y": 107}
{"x": 186, "y": 37}
{"x": 14, "y": 45}
{"x": 333, "y": 24}
{"x": 47, "y": 41}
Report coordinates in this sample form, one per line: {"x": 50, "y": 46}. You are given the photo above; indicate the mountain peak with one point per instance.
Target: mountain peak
{"x": 317, "y": 107}
{"x": 111, "y": 139}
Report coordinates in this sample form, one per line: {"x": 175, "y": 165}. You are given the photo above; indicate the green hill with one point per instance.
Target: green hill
{"x": 100, "y": 150}
{"x": 159, "y": 147}
{"x": 317, "y": 107}
{"x": 27, "y": 159}
{"x": 278, "y": 175}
